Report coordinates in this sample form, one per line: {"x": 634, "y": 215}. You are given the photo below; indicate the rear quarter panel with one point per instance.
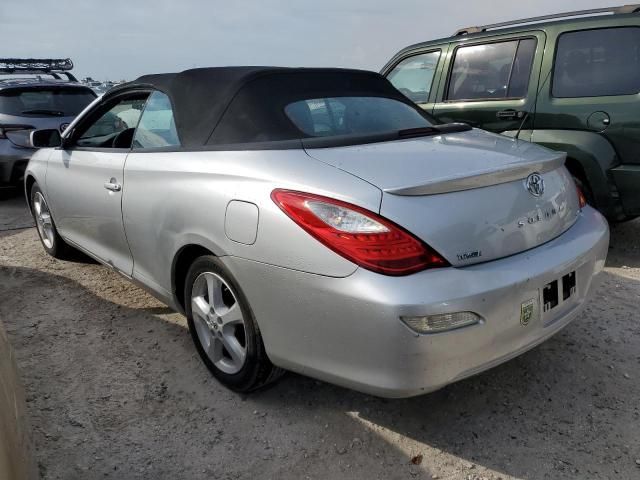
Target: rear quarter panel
{"x": 173, "y": 199}
{"x": 563, "y": 124}
{"x": 573, "y": 113}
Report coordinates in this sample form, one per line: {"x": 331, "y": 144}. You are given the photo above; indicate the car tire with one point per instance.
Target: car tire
{"x": 223, "y": 328}
{"x": 53, "y": 244}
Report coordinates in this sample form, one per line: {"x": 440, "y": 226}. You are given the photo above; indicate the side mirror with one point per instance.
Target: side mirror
{"x": 45, "y": 138}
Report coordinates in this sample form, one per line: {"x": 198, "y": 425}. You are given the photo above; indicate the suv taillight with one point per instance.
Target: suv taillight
{"x": 359, "y": 235}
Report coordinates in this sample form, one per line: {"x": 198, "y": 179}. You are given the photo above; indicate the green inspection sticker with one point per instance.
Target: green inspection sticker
{"x": 526, "y": 312}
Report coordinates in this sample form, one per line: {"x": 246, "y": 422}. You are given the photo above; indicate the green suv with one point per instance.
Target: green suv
{"x": 570, "y": 82}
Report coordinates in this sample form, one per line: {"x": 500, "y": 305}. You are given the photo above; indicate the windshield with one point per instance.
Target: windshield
{"x": 324, "y": 117}
{"x": 59, "y": 102}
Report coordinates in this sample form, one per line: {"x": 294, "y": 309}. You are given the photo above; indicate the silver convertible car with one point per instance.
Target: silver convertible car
{"x": 315, "y": 220}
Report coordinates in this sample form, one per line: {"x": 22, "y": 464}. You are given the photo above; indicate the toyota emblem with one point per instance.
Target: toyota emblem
{"x": 535, "y": 184}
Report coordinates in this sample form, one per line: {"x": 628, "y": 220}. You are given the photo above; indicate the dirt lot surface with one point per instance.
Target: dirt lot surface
{"x": 115, "y": 390}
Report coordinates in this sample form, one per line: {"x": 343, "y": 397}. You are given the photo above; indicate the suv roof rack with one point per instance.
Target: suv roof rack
{"x": 578, "y": 13}
{"x": 48, "y": 66}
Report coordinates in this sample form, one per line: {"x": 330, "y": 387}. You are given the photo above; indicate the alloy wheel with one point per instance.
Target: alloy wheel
{"x": 43, "y": 220}
{"x": 219, "y": 322}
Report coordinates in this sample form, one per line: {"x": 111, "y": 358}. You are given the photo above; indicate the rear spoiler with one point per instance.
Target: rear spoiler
{"x": 478, "y": 179}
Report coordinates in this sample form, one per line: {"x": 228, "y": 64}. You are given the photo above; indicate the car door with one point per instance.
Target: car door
{"x": 151, "y": 172}
{"x": 492, "y": 83}
{"x": 85, "y": 180}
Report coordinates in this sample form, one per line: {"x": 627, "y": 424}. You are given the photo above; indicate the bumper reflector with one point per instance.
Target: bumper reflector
{"x": 441, "y": 322}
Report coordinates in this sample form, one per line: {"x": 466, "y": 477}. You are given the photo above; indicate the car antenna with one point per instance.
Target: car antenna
{"x": 524, "y": 119}
{"x": 526, "y": 115}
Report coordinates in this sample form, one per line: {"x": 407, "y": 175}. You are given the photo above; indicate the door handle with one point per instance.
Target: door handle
{"x": 113, "y": 185}
{"x": 509, "y": 114}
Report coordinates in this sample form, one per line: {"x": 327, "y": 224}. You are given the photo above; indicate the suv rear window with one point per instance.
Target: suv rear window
{"x": 596, "y": 63}
{"x": 57, "y": 102}
{"x": 324, "y": 117}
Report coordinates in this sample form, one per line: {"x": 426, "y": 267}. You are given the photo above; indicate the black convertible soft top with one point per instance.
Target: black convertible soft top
{"x": 240, "y": 105}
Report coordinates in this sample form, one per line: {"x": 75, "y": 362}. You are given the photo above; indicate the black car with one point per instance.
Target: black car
{"x": 34, "y": 94}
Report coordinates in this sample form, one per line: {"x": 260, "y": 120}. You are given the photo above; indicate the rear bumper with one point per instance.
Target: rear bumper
{"x": 347, "y": 330}
{"x": 13, "y": 162}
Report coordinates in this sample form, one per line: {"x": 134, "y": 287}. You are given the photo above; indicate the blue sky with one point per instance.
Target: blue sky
{"x": 127, "y": 38}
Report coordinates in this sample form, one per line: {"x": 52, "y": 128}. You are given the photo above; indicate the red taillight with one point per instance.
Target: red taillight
{"x": 581, "y": 198}
{"x": 357, "y": 234}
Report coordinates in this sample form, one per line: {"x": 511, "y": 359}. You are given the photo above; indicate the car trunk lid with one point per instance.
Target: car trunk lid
{"x": 466, "y": 194}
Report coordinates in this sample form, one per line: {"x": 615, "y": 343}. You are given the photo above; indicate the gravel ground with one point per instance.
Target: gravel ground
{"x": 115, "y": 390}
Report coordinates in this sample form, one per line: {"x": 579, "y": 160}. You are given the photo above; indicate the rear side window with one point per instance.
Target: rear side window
{"x": 54, "y": 102}
{"x": 595, "y": 63}
{"x": 413, "y": 76}
{"x": 157, "y": 127}
{"x": 493, "y": 71}
{"x": 323, "y": 117}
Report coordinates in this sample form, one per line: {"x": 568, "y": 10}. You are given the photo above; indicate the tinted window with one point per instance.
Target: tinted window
{"x": 492, "y": 71}
{"x": 413, "y": 76}
{"x": 56, "y": 102}
{"x": 157, "y": 127}
{"x": 594, "y": 63}
{"x": 114, "y": 128}
{"x": 322, "y": 117}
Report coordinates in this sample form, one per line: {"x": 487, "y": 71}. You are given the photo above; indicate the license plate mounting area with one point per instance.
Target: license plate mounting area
{"x": 551, "y": 292}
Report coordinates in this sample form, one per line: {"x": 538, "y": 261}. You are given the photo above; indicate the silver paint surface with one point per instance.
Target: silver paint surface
{"x": 320, "y": 314}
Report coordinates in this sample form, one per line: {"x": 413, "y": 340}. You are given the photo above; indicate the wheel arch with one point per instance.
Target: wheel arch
{"x": 576, "y": 169}
{"x": 590, "y": 155}
{"x": 182, "y": 260}
{"x": 29, "y": 181}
